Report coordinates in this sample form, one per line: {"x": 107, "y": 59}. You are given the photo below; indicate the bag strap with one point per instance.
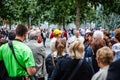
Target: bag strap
{"x": 89, "y": 60}
{"x": 11, "y": 47}
{"x": 76, "y": 69}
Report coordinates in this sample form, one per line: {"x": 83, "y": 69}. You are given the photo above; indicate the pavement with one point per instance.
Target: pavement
{"x": 48, "y": 51}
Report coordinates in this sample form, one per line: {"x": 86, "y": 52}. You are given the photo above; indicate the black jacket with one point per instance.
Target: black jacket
{"x": 49, "y": 64}
{"x": 65, "y": 67}
{"x": 114, "y": 71}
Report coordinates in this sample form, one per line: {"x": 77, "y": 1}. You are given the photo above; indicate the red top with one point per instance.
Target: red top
{"x": 51, "y": 35}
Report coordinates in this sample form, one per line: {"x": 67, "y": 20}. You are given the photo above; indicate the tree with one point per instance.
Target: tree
{"x": 77, "y": 14}
{"x": 55, "y": 11}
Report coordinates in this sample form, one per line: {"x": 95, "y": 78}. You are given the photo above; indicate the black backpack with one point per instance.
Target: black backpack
{"x": 3, "y": 71}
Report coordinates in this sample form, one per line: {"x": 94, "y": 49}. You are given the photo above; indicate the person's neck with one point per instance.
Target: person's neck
{"x": 76, "y": 36}
{"x": 116, "y": 40}
{"x": 102, "y": 66}
{"x": 57, "y": 37}
{"x": 19, "y": 38}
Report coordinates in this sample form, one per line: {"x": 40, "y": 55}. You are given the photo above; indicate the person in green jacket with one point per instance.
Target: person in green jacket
{"x": 23, "y": 54}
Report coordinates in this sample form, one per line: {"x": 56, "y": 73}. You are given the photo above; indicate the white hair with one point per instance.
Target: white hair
{"x": 33, "y": 34}
{"x": 98, "y": 34}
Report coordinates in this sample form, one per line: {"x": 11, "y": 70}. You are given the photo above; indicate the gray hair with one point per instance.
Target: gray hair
{"x": 33, "y": 35}
{"x": 98, "y": 34}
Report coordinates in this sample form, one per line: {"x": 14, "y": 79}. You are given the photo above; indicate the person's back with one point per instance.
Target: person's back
{"x": 23, "y": 54}
{"x": 114, "y": 69}
{"x": 116, "y": 46}
{"x": 57, "y": 35}
{"x": 38, "y": 53}
{"x": 65, "y": 67}
{"x": 104, "y": 58}
{"x": 78, "y": 36}
{"x": 51, "y": 35}
{"x": 51, "y": 60}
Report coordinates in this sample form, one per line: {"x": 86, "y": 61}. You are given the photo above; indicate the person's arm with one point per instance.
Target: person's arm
{"x": 51, "y": 35}
{"x": 67, "y": 36}
{"x": 31, "y": 70}
{"x": 29, "y": 62}
{"x": 1, "y": 53}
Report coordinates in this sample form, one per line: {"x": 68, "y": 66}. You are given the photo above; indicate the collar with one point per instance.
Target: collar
{"x": 19, "y": 40}
{"x": 105, "y": 67}
{"x": 55, "y": 54}
{"x": 33, "y": 41}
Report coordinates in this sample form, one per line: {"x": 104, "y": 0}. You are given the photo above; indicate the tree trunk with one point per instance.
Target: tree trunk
{"x": 63, "y": 22}
{"x": 77, "y": 14}
{"x": 10, "y": 24}
{"x": 29, "y": 21}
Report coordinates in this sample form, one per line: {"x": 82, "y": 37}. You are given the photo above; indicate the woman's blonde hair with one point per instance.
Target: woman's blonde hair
{"x": 76, "y": 49}
{"x": 105, "y": 55}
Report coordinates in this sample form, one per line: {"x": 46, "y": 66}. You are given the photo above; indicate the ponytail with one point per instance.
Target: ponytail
{"x": 60, "y": 46}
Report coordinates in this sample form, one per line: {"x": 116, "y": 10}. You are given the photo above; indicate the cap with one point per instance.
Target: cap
{"x": 56, "y": 31}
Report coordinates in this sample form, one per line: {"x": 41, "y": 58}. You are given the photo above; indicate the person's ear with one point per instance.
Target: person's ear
{"x": 25, "y": 35}
{"x": 39, "y": 39}
{"x": 97, "y": 60}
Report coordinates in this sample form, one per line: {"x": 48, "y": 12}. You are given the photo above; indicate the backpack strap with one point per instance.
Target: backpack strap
{"x": 89, "y": 60}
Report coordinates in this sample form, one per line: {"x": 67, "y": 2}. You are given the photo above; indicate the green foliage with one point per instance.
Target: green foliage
{"x": 56, "y": 11}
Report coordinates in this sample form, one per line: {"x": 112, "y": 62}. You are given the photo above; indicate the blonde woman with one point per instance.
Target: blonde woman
{"x": 104, "y": 57}
{"x": 66, "y": 66}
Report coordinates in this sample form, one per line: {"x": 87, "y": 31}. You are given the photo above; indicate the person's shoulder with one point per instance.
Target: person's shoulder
{"x": 99, "y": 76}
{"x": 116, "y": 47}
{"x": 22, "y": 46}
{"x": 4, "y": 45}
{"x": 53, "y": 39}
{"x": 87, "y": 62}
{"x": 66, "y": 55}
{"x": 71, "y": 39}
{"x": 116, "y": 44}
{"x": 65, "y": 59}
{"x": 49, "y": 55}
{"x": 116, "y": 63}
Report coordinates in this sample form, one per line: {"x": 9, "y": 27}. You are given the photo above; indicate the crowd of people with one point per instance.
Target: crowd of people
{"x": 75, "y": 54}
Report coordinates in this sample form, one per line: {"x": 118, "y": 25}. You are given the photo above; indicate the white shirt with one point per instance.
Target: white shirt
{"x": 116, "y": 49}
{"x": 55, "y": 54}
